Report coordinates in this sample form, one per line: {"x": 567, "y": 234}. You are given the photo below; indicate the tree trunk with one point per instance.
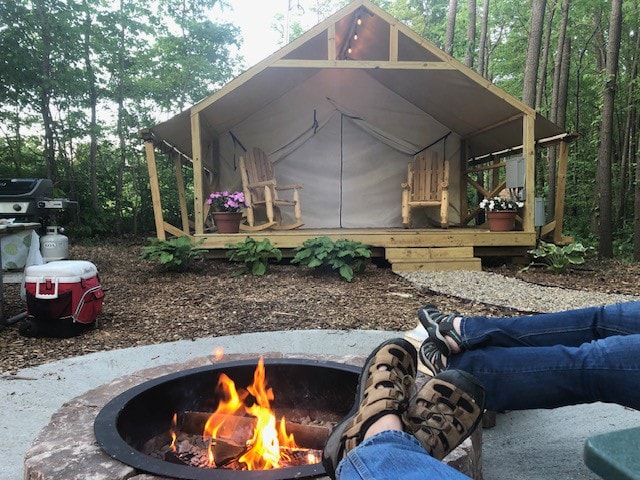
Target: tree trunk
{"x": 561, "y": 61}
{"x": 628, "y": 143}
{"x": 45, "y": 92}
{"x": 451, "y": 27}
{"x": 471, "y": 34}
{"x": 603, "y": 170}
{"x": 93, "y": 102}
{"x": 482, "y": 48}
{"x": 542, "y": 76}
{"x": 533, "y": 53}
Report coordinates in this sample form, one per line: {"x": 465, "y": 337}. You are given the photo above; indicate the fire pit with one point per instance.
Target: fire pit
{"x": 149, "y": 425}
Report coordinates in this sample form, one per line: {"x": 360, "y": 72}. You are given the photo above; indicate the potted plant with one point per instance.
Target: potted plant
{"x": 226, "y": 210}
{"x": 501, "y": 213}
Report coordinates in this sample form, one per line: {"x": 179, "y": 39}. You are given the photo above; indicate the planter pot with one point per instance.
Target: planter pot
{"x": 502, "y": 220}
{"x": 227, "y": 222}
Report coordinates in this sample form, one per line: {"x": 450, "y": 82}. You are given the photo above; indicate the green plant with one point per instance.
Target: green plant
{"x": 176, "y": 254}
{"x": 254, "y": 255}
{"x": 558, "y": 259}
{"x": 346, "y": 256}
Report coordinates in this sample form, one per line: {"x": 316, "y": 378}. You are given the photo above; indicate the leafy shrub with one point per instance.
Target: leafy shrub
{"x": 558, "y": 259}
{"x": 346, "y": 256}
{"x": 254, "y": 255}
{"x": 176, "y": 254}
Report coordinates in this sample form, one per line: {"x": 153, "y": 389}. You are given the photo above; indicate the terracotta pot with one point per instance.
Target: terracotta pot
{"x": 227, "y": 222}
{"x": 502, "y": 220}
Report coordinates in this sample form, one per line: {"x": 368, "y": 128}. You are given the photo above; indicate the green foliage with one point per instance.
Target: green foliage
{"x": 254, "y": 255}
{"x": 176, "y": 254}
{"x": 346, "y": 256}
{"x": 558, "y": 259}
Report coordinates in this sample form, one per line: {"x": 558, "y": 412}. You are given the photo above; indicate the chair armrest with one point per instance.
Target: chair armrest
{"x": 288, "y": 187}
{"x": 264, "y": 183}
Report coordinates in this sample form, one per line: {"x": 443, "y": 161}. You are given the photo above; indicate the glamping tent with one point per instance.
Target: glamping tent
{"x": 342, "y": 110}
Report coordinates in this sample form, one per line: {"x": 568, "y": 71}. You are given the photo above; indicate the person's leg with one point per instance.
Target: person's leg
{"x": 570, "y": 328}
{"x": 394, "y": 454}
{"x": 516, "y": 378}
{"x": 451, "y": 332}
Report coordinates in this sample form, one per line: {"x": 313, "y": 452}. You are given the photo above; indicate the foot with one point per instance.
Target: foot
{"x": 386, "y": 384}
{"x": 441, "y": 329}
{"x": 446, "y": 410}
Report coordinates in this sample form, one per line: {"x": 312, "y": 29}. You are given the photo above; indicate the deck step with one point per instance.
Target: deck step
{"x": 416, "y": 259}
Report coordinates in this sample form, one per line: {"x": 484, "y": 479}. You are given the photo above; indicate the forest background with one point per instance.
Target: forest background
{"x": 80, "y": 78}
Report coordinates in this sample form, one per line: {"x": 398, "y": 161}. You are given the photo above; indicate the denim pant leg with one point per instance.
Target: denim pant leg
{"x": 393, "y": 455}
{"x": 570, "y": 328}
{"x": 518, "y": 378}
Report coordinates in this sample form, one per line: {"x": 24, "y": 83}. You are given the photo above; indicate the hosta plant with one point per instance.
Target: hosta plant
{"x": 558, "y": 259}
{"x": 347, "y": 257}
{"x": 176, "y": 254}
{"x": 254, "y": 255}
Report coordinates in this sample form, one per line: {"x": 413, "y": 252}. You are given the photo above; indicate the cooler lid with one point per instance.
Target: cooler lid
{"x": 66, "y": 271}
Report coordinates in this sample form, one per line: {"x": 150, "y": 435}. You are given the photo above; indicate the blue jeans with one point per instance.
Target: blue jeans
{"x": 555, "y": 359}
{"x": 393, "y": 455}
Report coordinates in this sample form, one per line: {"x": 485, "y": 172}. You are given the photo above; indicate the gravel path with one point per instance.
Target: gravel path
{"x": 496, "y": 289}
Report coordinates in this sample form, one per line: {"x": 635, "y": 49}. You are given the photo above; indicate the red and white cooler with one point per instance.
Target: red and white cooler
{"x": 63, "y": 298}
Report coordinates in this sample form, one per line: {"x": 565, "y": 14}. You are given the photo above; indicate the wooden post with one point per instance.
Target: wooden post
{"x": 331, "y": 42}
{"x": 196, "y": 148}
{"x": 560, "y": 191}
{"x": 462, "y": 180}
{"x": 393, "y": 43}
{"x": 155, "y": 189}
{"x": 182, "y": 198}
{"x": 528, "y": 150}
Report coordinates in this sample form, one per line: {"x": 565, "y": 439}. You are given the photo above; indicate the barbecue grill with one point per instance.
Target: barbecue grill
{"x": 29, "y": 200}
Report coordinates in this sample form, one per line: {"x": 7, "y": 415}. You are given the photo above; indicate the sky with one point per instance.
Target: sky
{"x": 255, "y": 17}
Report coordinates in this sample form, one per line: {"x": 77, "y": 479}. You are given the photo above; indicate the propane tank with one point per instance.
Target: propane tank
{"x": 54, "y": 245}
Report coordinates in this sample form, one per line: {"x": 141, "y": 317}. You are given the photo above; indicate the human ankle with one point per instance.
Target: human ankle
{"x": 455, "y": 348}
{"x": 386, "y": 422}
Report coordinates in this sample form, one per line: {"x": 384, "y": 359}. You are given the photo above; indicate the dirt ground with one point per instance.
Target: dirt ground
{"x": 146, "y": 306}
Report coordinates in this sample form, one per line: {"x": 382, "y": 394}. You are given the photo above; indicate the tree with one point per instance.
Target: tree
{"x": 533, "y": 53}
{"x": 603, "y": 171}
{"x": 482, "y": 49}
{"x": 451, "y": 27}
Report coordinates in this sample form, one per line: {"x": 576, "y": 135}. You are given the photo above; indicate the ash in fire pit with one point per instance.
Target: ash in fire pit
{"x": 197, "y": 424}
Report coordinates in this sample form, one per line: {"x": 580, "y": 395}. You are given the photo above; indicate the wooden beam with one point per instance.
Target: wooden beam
{"x": 561, "y": 185}
{"x": 393, "y": 43}
{"x": 155, "y": 189}
{"x": 198, "y": 194}
{"x": 487, "y": 128}
{"x": 331, "y": 42}
{"x": 529, "y": 152}
{"x": 362, "y": 64}
{"x": 182, "y": 198}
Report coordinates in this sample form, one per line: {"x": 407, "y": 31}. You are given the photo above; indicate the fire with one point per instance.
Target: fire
{"x": 268, "y": 439}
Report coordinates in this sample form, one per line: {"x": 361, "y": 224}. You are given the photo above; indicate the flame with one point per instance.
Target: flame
{"x": 174, "y": 423}
{"x": 265, "y": 447}
{"x": 217, "y": 354}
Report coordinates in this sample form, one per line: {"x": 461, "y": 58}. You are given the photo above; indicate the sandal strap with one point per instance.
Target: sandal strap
{"x": 445, "y": 412}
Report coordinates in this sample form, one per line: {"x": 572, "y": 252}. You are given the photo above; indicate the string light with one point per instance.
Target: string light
{"x": 359, "y": 21}
{"x": 355, "y": 36}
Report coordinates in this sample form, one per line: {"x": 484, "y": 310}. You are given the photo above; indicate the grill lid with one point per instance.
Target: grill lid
{"x": 22, "y": 188}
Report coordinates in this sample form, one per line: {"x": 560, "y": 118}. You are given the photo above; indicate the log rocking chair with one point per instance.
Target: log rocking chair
{"x": 260, "y": 188}
{"x": 427, "y": 185}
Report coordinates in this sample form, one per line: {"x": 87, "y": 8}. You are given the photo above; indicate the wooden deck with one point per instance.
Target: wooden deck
{"x": 405, "y": 249}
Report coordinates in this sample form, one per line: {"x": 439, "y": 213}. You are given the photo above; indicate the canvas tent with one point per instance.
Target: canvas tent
{"x": 343, "y": 117}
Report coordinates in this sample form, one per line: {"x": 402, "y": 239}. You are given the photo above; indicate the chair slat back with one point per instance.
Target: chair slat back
{"x": 428, "y": 176}
{"x": 259, "y": 169}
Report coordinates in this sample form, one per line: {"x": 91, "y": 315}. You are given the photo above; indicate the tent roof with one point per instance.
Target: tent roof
{"x": 412, "y": 67}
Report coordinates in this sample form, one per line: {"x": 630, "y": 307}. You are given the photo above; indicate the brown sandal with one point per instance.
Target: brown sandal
{"x": 446, "y": 410}
{"x": 380, "y": 392}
